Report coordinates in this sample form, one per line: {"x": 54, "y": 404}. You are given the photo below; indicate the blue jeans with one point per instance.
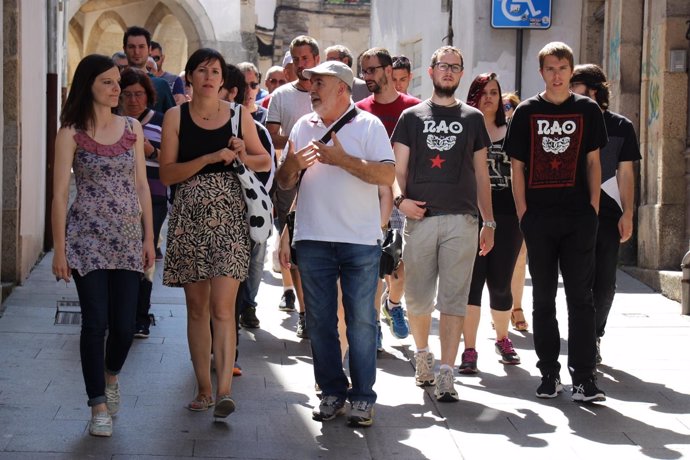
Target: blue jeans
{"x": 321, "y": 264}
{"x": 249, "y": 288}
{"x": 108, "y": 300}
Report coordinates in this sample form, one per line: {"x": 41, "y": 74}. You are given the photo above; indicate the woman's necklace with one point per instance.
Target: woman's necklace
{"x": 210, "y": 117}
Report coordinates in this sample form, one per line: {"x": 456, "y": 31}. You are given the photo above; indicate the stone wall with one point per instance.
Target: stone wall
{"x": 347, "y": 25}
{"x": 664, "y": 99}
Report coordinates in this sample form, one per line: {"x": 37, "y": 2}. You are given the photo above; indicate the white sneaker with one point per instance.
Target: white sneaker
{"x": 101, "y": 425}
{"x": 445, "y": 387}
{"x": 424, "y": 369}
{"x": 112, "y": 397}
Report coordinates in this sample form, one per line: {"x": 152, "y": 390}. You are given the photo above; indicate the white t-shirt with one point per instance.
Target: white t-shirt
{"x": 287, "y": 105}
{"x": 333, "y": 205}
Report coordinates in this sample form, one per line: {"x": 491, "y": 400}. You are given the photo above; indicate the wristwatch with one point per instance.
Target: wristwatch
{"x": 489, "y": 223}
{"x": 398, "y": 199}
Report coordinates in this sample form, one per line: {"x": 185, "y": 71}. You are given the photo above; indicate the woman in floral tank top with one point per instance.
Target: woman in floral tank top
{"x": 105, "y": 241}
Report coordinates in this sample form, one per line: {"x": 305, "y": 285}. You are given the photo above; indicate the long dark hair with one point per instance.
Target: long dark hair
{"x": 474, "y": 95}
{"x": 78, "y": 109}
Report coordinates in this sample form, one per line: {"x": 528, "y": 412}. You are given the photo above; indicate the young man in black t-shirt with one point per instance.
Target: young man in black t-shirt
{"x": 553, "y": 141}
{"x": 617, "y": 190}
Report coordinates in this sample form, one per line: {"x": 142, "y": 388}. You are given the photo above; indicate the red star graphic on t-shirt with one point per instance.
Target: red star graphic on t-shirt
{"x": 555, "y": 164}
{"x": 437, "y": 161}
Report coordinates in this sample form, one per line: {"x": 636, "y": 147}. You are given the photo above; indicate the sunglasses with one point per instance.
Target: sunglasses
{"x": 507, "y": 107}
{"x": 156, "y": 58}
{"x": 253, "y": 85}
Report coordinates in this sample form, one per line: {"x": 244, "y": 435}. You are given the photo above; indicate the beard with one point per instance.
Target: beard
{"x": 376, "y": 86}
{"x": 445, "y": 91}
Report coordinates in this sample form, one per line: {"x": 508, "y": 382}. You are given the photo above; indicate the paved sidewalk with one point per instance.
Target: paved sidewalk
{"x": 43, "y": 413}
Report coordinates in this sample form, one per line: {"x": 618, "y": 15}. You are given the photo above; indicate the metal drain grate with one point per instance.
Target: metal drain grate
{"x": 68, "y": 312}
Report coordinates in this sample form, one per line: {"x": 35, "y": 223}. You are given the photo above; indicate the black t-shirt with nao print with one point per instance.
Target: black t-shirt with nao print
{"x": 553, "y": 141}
{"x": 442, "y": 142}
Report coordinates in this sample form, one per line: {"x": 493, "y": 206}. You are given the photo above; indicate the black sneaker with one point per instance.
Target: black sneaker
{"x": 588, "y": 391}
{"x": 550, "y": 386}
{"x": 287, "y": 302}
{"x": 302, "y": 327}
{"x": 142, "y": 332}
{"x": 248, "y": 319}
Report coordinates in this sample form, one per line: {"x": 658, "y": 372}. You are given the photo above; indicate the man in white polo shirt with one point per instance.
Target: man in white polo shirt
{"x": 337, "y": 235}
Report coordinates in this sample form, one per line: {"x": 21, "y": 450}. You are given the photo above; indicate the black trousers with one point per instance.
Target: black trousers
{"x": 108, "y": 300}
{"x": 566, "y": 242}
{"x": 608, "y": 243}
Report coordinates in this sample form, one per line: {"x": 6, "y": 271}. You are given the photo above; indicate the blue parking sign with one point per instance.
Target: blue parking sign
{"x": 521, "y": 14}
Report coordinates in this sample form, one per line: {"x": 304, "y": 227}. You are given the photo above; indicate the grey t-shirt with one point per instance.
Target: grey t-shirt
{"x": 442, "y": 142}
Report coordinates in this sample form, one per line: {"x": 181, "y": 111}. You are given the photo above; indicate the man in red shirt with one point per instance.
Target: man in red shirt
{"x": 387, "y": 104}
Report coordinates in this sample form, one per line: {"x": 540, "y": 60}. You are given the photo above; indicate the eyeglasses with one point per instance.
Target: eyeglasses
{"x": 371, "y": 70}
{"x": 273, "y": 81}
{"x": 508, "y": 107}
{"x": 253, "y": 85}
{"x": 135, "y": 94}
{"x": 444, "y": 67}
{"x": 156, "y": 58}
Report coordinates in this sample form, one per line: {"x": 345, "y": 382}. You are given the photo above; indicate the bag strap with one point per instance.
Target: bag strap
{"x": 327, "y": 137}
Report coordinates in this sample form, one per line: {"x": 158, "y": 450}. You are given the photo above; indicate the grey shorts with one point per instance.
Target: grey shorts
{"x": 439, "y": 256}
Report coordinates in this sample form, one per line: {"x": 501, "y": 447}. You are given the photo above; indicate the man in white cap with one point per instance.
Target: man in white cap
{"x": 337, "y": 234}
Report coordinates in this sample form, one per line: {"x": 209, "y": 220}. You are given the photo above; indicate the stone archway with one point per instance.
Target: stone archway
{"x": 167, "y": 30}
{"x": 106, "y": 34}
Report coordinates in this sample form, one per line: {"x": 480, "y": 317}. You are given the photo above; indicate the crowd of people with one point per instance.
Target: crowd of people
{"x": 475, "y": 187}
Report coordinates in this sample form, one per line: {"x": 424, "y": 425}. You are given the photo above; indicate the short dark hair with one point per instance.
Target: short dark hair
{"x": 156, "y": 46}
{"x": 558, "y": 49}
{"x": 132, "y": 76}
{"x": 78, "y": 109}
{"x": 382, "y": 54}
{"x": 200, "y": 56}
{"x": 593, "y": 77}
{"x": 235, "y": 79}
{"x": 446, "y": 49}
{"x": 305, "y": 40}
{"x": 136, "y": 31}
{"x": 474, "y": 95}
{"x": 402, "y": 62}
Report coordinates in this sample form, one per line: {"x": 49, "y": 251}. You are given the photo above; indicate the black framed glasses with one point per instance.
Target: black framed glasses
{"x": 156, "y": 58}
{"x": 444, "y": 67}
{"x": 371, "y": 70}
{"x": 253, "y": 85}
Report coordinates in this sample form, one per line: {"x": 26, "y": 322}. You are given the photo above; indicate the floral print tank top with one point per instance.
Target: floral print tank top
{"x": 104, "y": 227}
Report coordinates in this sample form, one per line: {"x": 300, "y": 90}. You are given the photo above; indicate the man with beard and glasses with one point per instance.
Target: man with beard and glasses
{"x": 387, "y": 104}
{"x": 442, "y": 184}
{"x": 288, "y": 104}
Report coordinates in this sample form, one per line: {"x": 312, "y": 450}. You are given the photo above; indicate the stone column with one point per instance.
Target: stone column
{"x": 11, "y": 143}
{"x": 661, "y": 220}
{"x": 622, "y": 61}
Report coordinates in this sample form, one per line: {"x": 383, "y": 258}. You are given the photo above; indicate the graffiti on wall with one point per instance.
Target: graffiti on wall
{"x": 614, "y": 61}
{"x": 652, "y": 70}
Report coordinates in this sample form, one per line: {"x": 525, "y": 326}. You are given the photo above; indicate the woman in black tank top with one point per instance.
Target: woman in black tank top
{"x": 208, "y": 241}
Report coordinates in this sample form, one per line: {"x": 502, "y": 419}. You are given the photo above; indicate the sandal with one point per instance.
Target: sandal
{"x": 200, "y": 403}
{"x": 518, "y": 324}
{"x": 225, "y": 407}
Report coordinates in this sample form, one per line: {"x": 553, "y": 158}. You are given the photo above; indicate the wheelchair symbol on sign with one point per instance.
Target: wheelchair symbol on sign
{"x": 511, "y": 10}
